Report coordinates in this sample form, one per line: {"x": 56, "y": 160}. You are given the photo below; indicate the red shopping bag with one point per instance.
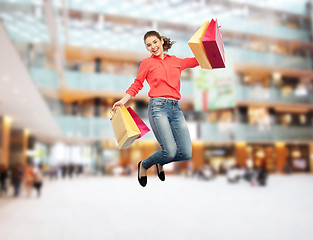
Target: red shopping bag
{"x": 140, "y": 124}
{"x": 214, "y": 46}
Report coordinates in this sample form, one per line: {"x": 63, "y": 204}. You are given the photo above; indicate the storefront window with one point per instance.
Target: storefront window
{"x": 298, "y": 158}
{"x": 220, "y": 158}
{"x": 261, "y": 155}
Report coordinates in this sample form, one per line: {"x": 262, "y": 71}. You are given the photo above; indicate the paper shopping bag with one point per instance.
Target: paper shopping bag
{"x": 196, "y": 46}
{"x": 214, "y": 46}
{"x": 124, "y": 127}
{"x": 140, "y": 124}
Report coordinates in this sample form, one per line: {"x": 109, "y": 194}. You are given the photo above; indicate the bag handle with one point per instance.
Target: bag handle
{"x": 112, "y": 115}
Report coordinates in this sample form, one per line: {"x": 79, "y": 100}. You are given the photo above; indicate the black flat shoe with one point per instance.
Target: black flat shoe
{"x": 161, "y": 175}
{"x": 142, "y": 180}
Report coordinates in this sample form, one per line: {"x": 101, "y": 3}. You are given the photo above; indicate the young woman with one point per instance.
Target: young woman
{"x": 162, "y": 72}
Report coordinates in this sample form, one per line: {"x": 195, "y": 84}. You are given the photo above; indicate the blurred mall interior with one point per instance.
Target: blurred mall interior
{"x": 64, "y": 63}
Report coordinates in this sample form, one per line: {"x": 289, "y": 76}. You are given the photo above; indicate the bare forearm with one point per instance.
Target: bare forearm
{"x": 125, "y": 99}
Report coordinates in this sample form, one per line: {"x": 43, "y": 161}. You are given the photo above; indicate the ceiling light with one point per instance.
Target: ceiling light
{"x": 26, "y": 131}
{"x": 8, "y": 119}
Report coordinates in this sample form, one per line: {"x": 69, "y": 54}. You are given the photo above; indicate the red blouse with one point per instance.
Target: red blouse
{"x": 163, "y": 76}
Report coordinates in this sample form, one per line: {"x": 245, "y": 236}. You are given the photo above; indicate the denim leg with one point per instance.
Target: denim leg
{"x": 171, "y": 131}
{"x": 17, "y": 185}
{"x": 159, "y": 120}
{"x": 181, "y": 135}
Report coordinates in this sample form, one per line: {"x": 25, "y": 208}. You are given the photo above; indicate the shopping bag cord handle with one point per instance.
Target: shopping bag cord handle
{"x": 112, "y": 115}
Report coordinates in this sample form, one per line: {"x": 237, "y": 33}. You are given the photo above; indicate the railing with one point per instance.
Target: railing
{"x": 90, "y": 127}
{"x": 268, "y": 59}
{"x": 272, "y": 94}
{"x": 45, "y": 78}
{"x": 101, "y": 128}
{"x": 99, "y": 82}
{"x": 277, "y": 132}
{"x": 245, "y": 132}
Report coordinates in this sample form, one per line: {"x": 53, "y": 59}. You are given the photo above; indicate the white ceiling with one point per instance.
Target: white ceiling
{"x": 19, "y": 96}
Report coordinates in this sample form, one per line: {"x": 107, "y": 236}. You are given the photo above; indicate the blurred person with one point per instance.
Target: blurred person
{"x": 247, "y": 174}
{"x": 206, "y": 173}
{"x": 29, "y": 177}
{"x": 79, "y": 169}
{"x": 53, "y": 172}
{"x": 162, "y": 72}
{"x": 261, "y": 173}
{"x": 287, "y": 168}
{"x": 31, "y": 55}
{"x": 3, "y": 178}
{"x": 71, "y": 169}
{"x": 262, "y": 176}
{"x": 38, "y": 179}
{"x": 233, "y": 174}
{"x": 63, "y": 170}
{"x": 17, "y": 173}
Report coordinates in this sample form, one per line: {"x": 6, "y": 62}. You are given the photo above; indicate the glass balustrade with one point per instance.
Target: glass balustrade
{"x": 91, "y": 127}
{"x": 45, "y": 78}
{"x": 272, "y": 94}
{"x": 246, "y": 132}
{"x": 268, "y": 59}
{"x": 101, "y": 128}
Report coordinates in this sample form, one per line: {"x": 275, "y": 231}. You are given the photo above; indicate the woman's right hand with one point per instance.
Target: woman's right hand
{"x": 117, "y": 104}
{"x": 121, "y": 102}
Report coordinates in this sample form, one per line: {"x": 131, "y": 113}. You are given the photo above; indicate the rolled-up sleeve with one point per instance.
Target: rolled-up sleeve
{"x": 138, "y": 82}
{"x": 188, "y": 63}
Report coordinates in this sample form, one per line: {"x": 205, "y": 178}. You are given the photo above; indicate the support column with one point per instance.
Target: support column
{"x": 311, "y": 157}
{"x": 18, "y": 146}
{"x": 241, "y": 154}
{"x": 25, "y": 146}
{"x": 124, "y": 158}
{"x": 197, "y": 155}
{"x": 5, "y": 128}
{"x": 281, "y": 156}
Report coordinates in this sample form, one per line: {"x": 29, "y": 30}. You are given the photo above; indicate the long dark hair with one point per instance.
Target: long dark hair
{"x": 167, "y": 41}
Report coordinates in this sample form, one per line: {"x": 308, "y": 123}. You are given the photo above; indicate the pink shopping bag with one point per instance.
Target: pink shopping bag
{"x": 140, "y": 124}
{"x": 214, "y": 46}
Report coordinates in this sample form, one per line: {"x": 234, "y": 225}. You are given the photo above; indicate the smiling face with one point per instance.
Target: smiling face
{"x": 155, "y": 46}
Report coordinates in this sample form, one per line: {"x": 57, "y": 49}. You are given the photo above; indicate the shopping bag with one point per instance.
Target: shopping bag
{"x": 140, "y": 124}
{"x": 214, "y": 46}
{"x": 124, "y": 127}
{"x": 196, "y": 46}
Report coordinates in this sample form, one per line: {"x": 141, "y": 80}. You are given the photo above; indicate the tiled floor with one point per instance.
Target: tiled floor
{"x": 179, "y": 208}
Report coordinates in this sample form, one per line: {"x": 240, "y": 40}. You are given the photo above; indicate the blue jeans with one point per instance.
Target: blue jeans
{"x": 170, "y": 129}
{"x": 17, "y": 186}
